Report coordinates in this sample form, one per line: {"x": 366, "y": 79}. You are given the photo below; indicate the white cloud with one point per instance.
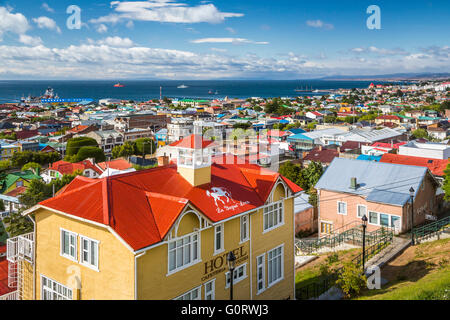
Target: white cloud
{"x": 47, "y": 8}
{"x": 47, "y": 23}
{"x": 12, "y": 22}
{"x": 101, "y": 28}
{"x": 231, "y": 30}
{"x": 319, "y": 24}
{"x": 380, "y": 51}
{"x": 116, "y": 42}
{"x": 165, "y": 11}
{"x": 219, "y": 50}
{"x": 227, "y": 40}
{"x": 30, "y": 41}
{"x": 130, "y": 24}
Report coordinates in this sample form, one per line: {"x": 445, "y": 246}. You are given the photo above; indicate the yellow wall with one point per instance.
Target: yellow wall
{"x": 115, "y": 278}
{"x": 154, "y": 276}
{"x": 196, "y": 177}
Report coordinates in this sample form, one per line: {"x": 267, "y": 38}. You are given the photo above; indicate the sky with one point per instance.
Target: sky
{"x": 222, "y": 39}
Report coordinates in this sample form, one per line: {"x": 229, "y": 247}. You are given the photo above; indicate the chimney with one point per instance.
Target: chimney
{"x": 353, "y": 183}
{"x": 163, "y": 161}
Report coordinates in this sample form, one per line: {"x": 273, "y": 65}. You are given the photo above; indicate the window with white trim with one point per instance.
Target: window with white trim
{"x": 342, "y": 207}
{"x": 239, "y": 274}
{"x": 183, "y": 252}
{"x": 260, "y": 273}
{"x": 218, "y": 239}
{"x": 69, "y": 244}
{"x": 373, "y": 217}
{"x": 89, "y": 252}
{"x": 52, "y": 290}
{"x": 361, "y": 210}
{"x": 194, "y": 294}
{"x": 275, "y": 265}
{"x": 210, "y": 290}
{"x": 273, "y": 216}
{"x": 244, "y": 228}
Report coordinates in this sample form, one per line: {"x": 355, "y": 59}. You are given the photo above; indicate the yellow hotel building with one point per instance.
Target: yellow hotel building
{"x": 163, "y": 233}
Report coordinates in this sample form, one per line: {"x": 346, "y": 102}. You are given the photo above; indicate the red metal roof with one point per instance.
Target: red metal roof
{"x": 65, "y": 167}
{"x": 194, "y": 141}
{"x": 118, "y": 164}
{"x": 142, "y": 206}
{"x": 436, "y": 166}
{"x": 4, "y": 289}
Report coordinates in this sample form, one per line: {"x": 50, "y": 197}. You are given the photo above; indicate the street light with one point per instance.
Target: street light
{"x": 231, "y": 259}
{"x": 411, "y": 193}
{"x": 364, "y": 225}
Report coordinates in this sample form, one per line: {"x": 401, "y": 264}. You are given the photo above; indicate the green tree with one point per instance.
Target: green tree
{"x": 74, "y": 145}
{"x": 144, "y": 146}
{"x": 18, "y": 224}
{"x": 90, "y": 152}
{"x": 290, "y": 171}
{"x": 446, "y": 185}
{"x": 31, "y": 165}
{"x": 351, "y": 280}
{"x": 420, "y": 133}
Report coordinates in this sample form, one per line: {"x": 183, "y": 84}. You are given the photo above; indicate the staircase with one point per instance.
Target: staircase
{"x": 431, "y": 230}
{"x": 19, "y": 250}
{"x": 351, "y": 233}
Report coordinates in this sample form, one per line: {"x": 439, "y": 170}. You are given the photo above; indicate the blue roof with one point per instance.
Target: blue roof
{"x": 379, "y": 182}
{"x": 299, "y": 136}
{"x": 284, "y": 121}
{"x": 369, "y": 158}
{"x": 296, "y": 130}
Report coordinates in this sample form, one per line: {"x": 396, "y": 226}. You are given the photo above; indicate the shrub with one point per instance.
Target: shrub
{"x": 351, "y": 280}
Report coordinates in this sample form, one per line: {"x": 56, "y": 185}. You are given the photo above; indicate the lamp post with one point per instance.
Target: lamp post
{"x": 364, "y": 225}
{"x": 411, "y": 193}
{"x": 231, "y": 259}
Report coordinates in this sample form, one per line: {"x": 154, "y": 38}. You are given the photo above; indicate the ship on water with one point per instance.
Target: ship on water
{"x": 304, "y": 90}
{"x": 119, "y": 85}
{"x": 49, "y": 94}
{"x": 182, "y": 87}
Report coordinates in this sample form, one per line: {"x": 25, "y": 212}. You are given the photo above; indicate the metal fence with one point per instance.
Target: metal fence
{"x": 431, "y": 229}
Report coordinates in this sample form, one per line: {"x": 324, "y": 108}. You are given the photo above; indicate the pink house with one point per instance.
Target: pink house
{"x": 350, "y": 189}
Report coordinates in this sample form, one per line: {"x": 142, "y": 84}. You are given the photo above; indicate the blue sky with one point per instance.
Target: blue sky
{"x": 221, "y": 39}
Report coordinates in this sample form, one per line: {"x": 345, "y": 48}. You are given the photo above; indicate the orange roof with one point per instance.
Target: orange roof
{"x": 436, "y": 166}
{"x": 17, "y": 191}
{"x": 142, "y": 206}
{"x": 194, "y": 141}
{"x": 65, "y": 167}
{"x": 118, "y": 164}
{"x": 78, "y": 128}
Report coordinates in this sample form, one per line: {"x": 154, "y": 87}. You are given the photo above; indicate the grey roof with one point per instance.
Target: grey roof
{"x": 301, "y": 203}
{"x": 378, "y": 182}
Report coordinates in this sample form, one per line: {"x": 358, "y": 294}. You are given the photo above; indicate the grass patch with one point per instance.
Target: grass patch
{"x": 433, "y": 286}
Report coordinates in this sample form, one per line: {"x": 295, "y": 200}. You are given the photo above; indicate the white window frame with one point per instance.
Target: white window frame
{"x": 236, "y": 277}
{"x": 193, "y": 261}
{"x": 89, "y": 263}
{"x": 378, "y": 223}
{"x": 75, "y": 245}
{"x": 357, "y": 210}
{"x": 222, "y": 246}
{"x": 345, "y": 203}
{"x": 274, "y": 212}
{"x": 261, "y": 264}
{"x": 378, "y": 218}
{"x": 269, "y": 261}
{"x": 244, "y": 222}
{"x": 212, "y": 293}
{"x": 199, "y": 294}
{"x": 50, "y": 291}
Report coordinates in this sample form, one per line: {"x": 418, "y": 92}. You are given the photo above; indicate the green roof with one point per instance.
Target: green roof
{"x": 11, "y": 178}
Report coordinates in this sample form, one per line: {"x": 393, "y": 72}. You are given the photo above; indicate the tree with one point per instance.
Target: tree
{"x": 420, "y": 133}
{"x": 90, "y": 152}
{"x": 19, "y": 159}
{"x": 74, "y": 145}
{"x": 445, "y": 105}
{"x": 144, "y": 146}
{"x": 446, "y": 185}
{"x": 241, "y": 125}
{"x": 31, "y": 165}
{"x": 351, "y": 280}
{"x": 290, "y": 171}
{"x": 18, "y": 224}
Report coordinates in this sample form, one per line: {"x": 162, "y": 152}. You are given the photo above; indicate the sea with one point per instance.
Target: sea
{"x": 144, "y": 90}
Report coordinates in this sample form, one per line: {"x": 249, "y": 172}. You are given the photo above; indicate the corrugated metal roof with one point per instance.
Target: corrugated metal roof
{"x": 382, "y": 179}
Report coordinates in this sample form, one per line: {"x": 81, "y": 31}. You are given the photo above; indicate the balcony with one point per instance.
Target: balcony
{"x": 21, "y": 247}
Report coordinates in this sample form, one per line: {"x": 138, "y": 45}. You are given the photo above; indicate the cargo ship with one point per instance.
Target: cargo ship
{"x": 119, "y": 85}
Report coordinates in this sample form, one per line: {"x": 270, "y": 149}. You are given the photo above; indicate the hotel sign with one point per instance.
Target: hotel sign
{"x": 219, "y": 263}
